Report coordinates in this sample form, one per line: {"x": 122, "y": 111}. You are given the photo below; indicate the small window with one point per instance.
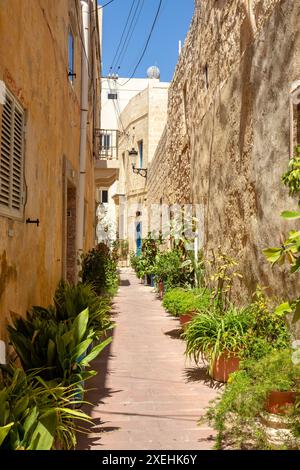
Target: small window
{"x": 104, "y": 196}
{"x": 71, "y": 73}
{"x": 140, "y": 147}
{"x": 105, "y": 141}
{"x": 11, "y": 157}
{"x": 112, "y": 96}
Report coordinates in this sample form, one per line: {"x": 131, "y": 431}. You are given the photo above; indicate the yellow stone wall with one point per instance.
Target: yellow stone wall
{"x": 34, "y": 66}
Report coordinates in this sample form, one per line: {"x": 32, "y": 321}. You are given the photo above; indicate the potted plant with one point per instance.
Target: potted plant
{"x": 185, "y": 318}
{"x": 219, "y": 339}
{"x": 185, "y": 303}
{"x": 161, "y": 288}
{"x": 261, "y": 393}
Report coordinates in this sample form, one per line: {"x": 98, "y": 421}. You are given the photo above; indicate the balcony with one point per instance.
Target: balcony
{"x": 106, "y": 157}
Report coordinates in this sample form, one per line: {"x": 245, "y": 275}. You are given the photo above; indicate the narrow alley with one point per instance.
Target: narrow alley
{"x": 151, "y": 397}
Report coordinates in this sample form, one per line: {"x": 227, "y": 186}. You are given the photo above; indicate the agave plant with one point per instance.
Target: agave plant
{"x": 35, "y": 415}
{"x": 59, "y": 348}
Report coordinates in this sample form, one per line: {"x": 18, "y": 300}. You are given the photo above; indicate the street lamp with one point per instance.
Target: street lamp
{"x": 138, "y": 171}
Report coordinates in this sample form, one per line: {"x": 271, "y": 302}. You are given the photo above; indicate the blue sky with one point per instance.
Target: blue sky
{"x": 172, "y": 25}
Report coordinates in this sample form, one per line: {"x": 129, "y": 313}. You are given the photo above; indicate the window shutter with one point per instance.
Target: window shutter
{"x": 17, "y": 161}
{"x": 5, "y": 162}
{"x": 11, "y": 156}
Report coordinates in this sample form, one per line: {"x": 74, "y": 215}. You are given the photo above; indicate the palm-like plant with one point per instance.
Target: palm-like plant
{"x": 35, "y": 415}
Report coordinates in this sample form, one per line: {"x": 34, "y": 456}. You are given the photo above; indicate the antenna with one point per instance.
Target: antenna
{"x": 179, "y": 47}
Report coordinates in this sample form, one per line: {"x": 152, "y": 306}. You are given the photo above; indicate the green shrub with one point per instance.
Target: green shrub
{"x": 234, "y": 414}
{"x": 70, "y": 300}
{"x": 35, "y": 415}
{"x": 253, "y": 331}
{"x": 100, "y": 269}
{"x": 179, "y": 301}
{"x": 59, "y": 349}
{"x": 170, "y": 269}
{"x": 144, "y": 264}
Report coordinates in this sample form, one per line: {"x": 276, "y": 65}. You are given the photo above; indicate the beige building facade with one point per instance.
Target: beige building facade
{"x": 231, "y": 129}
{"x": 49, "y": 109}
{"x": 141, "y": 126}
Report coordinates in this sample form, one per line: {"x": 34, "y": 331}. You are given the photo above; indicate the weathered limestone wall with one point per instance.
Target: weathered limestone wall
{"x": 227, "y": 136}
{"x": 34, "y": 66}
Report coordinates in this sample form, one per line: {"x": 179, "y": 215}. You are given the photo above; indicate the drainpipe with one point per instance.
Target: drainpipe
{"x": 83, "y": 123}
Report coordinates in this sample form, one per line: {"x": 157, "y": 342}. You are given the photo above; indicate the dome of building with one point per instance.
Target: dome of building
{"x": 153, "y": 72}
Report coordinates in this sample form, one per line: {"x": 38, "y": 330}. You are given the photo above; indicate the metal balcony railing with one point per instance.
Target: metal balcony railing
{"x": 106, "y": 141}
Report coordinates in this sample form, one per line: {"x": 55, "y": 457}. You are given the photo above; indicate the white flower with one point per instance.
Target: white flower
{"x": 296, "y": 344}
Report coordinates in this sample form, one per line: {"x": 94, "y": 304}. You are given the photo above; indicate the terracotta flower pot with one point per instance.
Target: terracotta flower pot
{"x": 280, "y": 403}
{"x": 186, "y": 318}
{"x": 161, "y": 289}
{"x": 224, "y": 365}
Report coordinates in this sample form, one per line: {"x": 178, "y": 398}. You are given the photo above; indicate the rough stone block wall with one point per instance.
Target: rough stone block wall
{"x": 227, "y": 135}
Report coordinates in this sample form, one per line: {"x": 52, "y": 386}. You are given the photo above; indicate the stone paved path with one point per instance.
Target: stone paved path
{"x": 147, "y": 395}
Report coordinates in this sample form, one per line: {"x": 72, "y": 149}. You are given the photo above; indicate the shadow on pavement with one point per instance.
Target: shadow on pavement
{"x": 200, "y": 374}
{"x": 174, "y": 334}
{"x": 96, "y": 394}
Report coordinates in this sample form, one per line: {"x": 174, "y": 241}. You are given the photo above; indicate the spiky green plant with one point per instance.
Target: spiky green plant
{"x": 34, "y": 414}
{"x": 59, "y": 348}
{"x": 71, "y": 299}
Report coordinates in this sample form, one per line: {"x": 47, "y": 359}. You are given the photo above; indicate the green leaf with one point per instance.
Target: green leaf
{"x": 51, "y": 351}
{"x": 95, "y": 351}
{"x": 30, "y": 421}
{"x": 80, "y": 349}
{"x": 80, "y": 325}
{"x": 283, "y": 308}
{"x": 4, "y": 430}
{"x": 43, "y": 435}
{"x": 75, "y": 413}
{"x": 20, "y": 406}
{"x": 296, "y": 267}
{"x": 290, "y": 214}
{"x": 272, "y": 254}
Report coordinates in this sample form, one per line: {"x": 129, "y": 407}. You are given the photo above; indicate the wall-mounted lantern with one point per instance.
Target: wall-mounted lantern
{"x": 138, "y": 171}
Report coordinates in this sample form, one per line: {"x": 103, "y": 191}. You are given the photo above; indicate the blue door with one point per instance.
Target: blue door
{"x": 138, "y": 238}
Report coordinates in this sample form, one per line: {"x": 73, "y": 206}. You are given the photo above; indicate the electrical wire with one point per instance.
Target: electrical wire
{"x": 147, "y": 43}
{"x": 133, "y": 29}
{"x": 122, "y": 35}
{"x": 117, "y": 111}
{"x": 129, "y": 34}
{"x": 105, "y": 4}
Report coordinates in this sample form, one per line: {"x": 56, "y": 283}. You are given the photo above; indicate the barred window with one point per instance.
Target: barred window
{"x": 11, "y": 157}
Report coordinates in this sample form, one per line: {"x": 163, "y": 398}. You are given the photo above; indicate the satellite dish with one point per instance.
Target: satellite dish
{"x": 153, "y": 72}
